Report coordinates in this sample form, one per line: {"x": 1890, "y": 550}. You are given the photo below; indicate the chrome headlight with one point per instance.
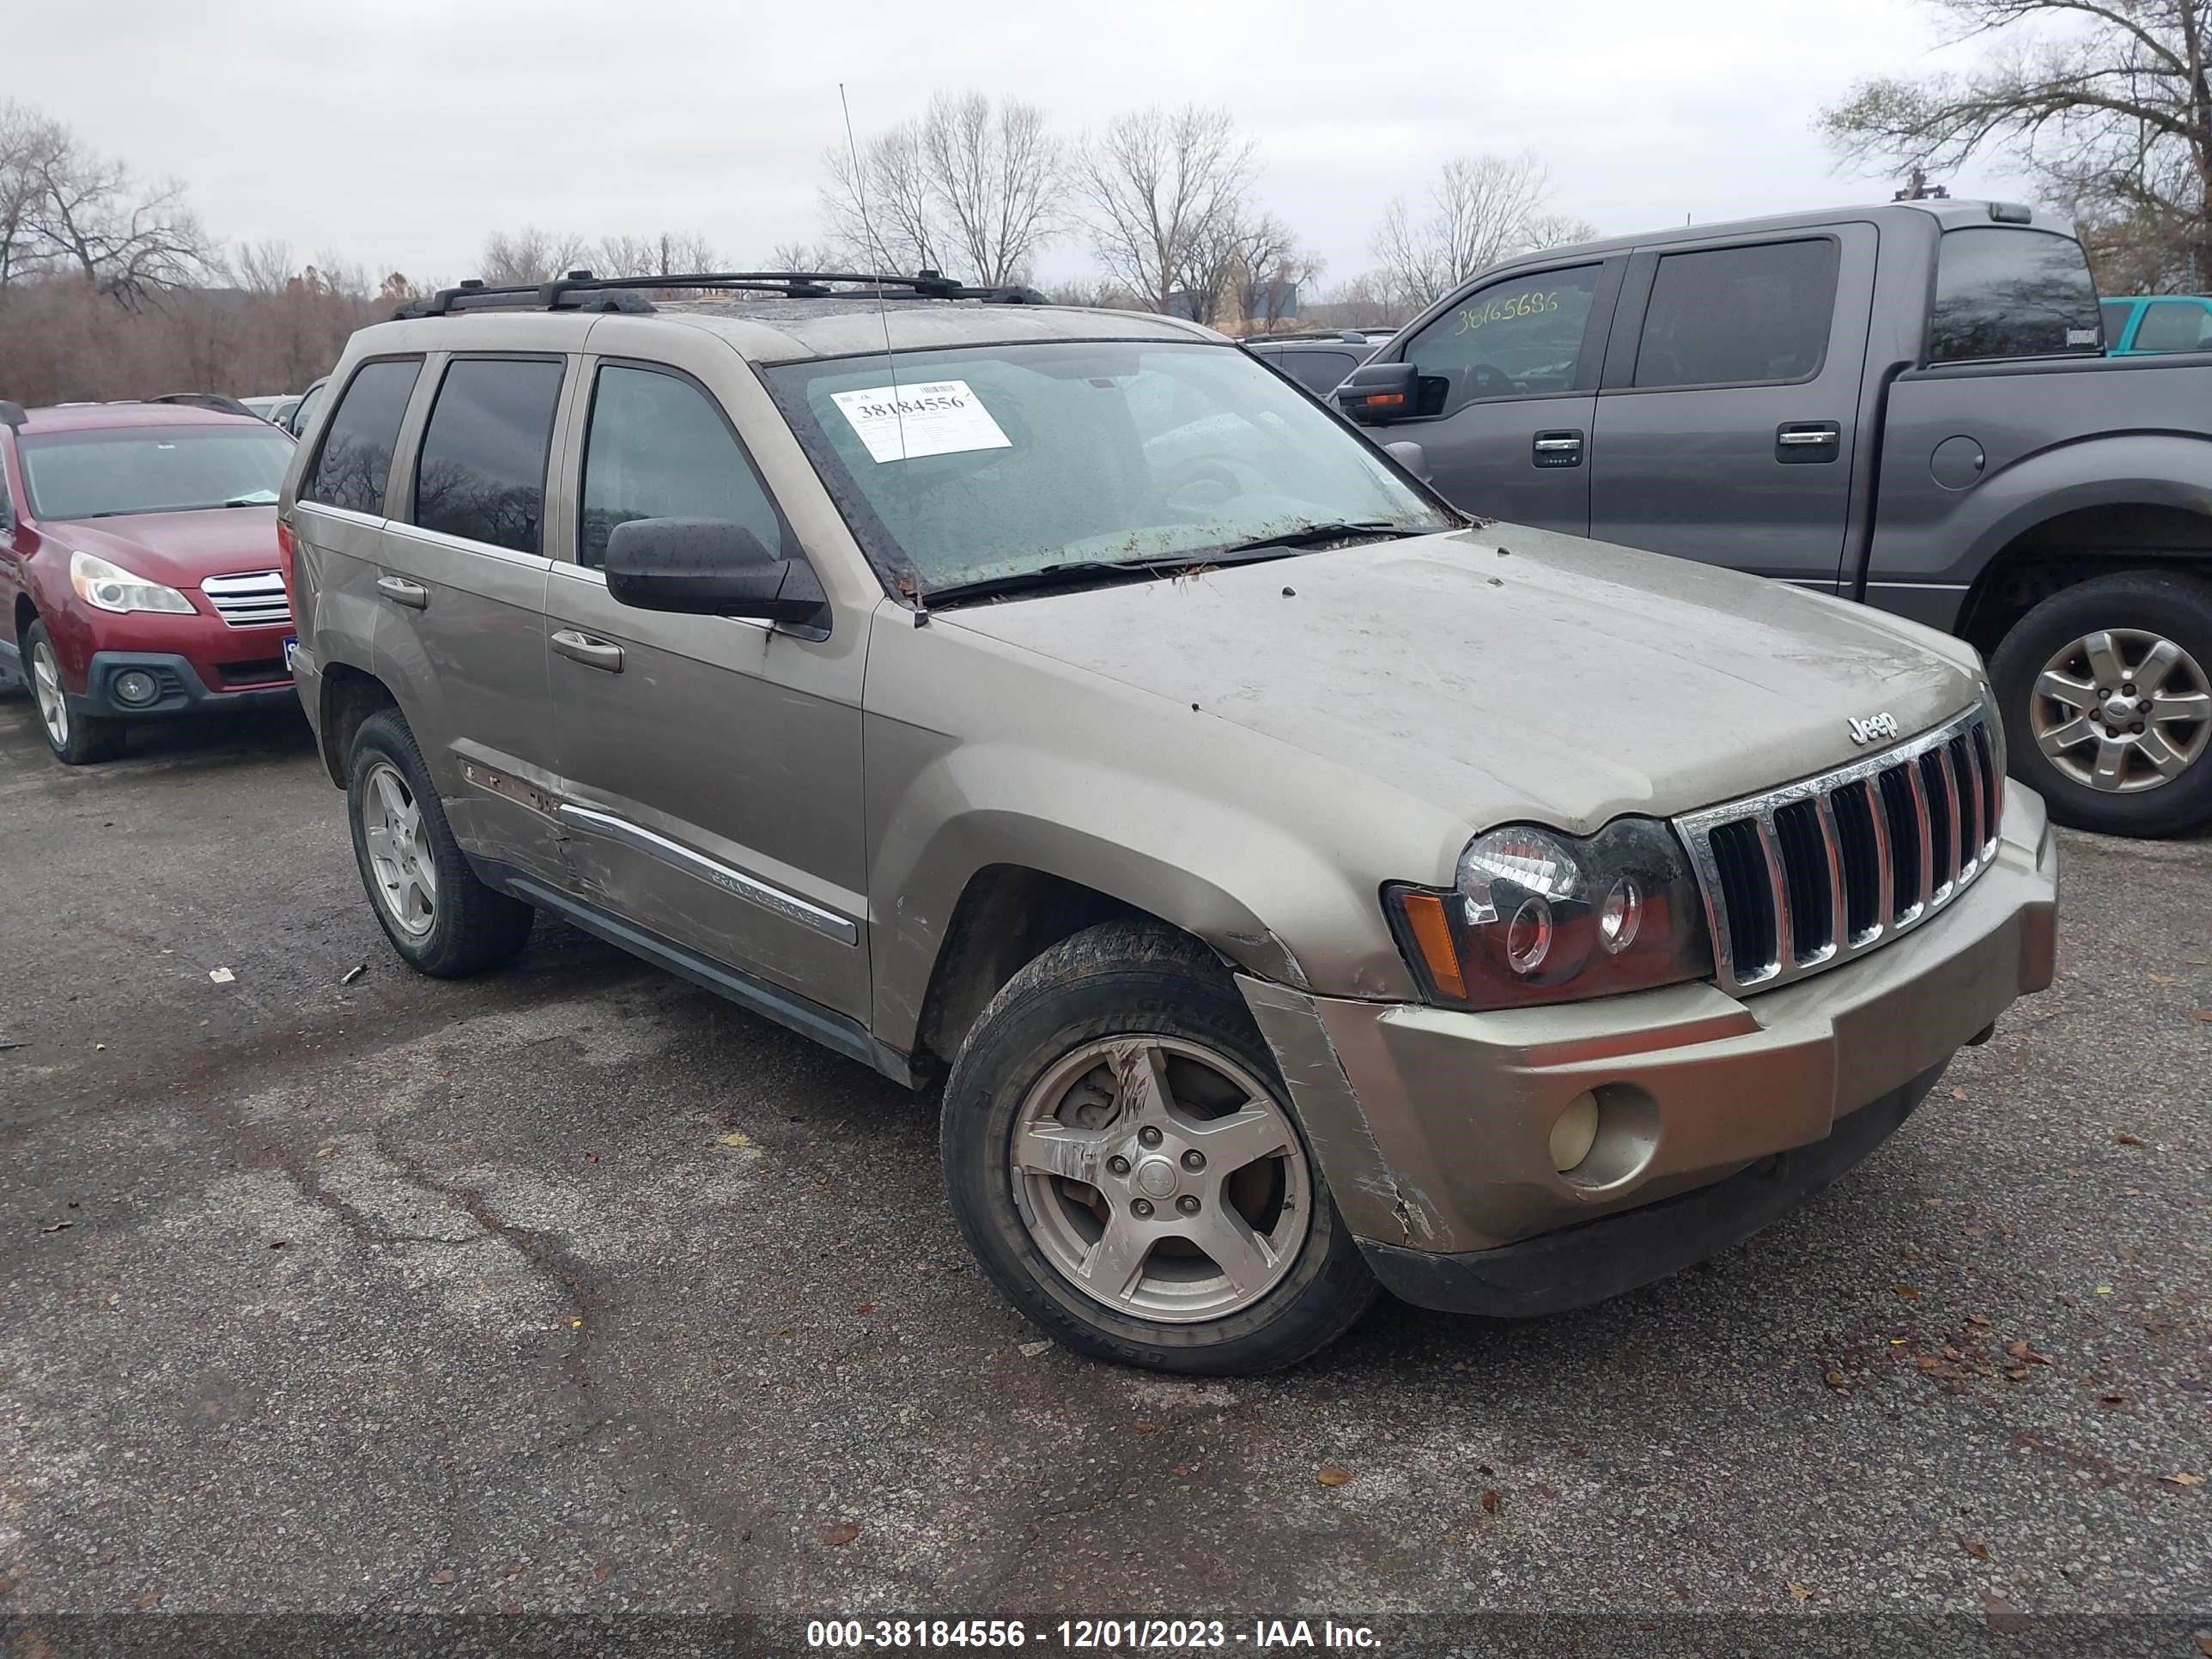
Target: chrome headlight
{"x": 1536, "y": 916}
{"x": 106, "y": 586}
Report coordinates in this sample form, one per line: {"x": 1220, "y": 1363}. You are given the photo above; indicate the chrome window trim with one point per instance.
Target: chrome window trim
{"x": 462, "y": 544}
{"x": 728, "y": 878}
{"x": 1696, "y": 830}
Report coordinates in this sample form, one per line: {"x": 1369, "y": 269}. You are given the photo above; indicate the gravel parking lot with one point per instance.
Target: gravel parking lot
{"x": 574, "y": 1288}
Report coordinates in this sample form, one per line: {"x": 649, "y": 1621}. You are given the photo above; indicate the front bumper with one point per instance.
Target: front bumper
{"x": 1434, "y": 1126}
{"x": 179, "y": 687}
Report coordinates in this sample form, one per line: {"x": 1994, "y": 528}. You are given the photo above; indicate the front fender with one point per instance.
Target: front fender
{"x": 1274, "y": 901}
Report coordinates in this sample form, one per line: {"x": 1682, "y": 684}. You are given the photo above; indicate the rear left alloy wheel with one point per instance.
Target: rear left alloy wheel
{"x": 1123, "y": 1159}
{"x": 437, "y": 911}
{"x": 76, "y": 738}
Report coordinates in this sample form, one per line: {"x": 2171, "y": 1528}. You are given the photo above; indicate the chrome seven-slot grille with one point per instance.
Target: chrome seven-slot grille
{"x": 1816, "y": 872}
{"x": 253, "y": 599}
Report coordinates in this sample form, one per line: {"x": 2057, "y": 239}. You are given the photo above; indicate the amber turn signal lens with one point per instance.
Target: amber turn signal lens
{"x": 1375, "y": 398}
{"x": 1432, "y": 932}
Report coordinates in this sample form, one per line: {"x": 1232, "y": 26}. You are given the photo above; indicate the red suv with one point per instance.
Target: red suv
{"x": 139, "y": 565}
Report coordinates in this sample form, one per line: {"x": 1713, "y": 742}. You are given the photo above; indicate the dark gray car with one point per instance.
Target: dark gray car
{"x": 1906, "y": 405}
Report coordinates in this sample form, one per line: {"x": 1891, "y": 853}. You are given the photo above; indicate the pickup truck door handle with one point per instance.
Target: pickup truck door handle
{"x": 400, "y": 590}
{"x": 1560, "y": 448}
{"x": 1797, "y": 443}
{"x": 583, "y": 648}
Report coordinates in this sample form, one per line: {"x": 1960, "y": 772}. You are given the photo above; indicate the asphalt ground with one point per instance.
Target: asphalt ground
{"x": 573, "y": 1289}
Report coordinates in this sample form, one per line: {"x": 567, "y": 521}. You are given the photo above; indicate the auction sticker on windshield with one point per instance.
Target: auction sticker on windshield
{"x": 938, "y": 417}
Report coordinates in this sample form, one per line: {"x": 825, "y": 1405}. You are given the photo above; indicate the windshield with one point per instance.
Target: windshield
{"x": 1019, "y": 457}
{"x": 153, "y": 469}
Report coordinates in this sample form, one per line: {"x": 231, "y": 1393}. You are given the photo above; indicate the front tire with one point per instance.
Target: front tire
{"x": 434, "y": 908}
{"x": 2106, "y": 692}
{"x": 1122, "y": 1158}
{"x": 76, "y": 738}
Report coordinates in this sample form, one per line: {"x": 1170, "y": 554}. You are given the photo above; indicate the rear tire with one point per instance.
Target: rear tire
{"x": 1215, "y": 1248}
{"x": 2107, "y": 705}
{"x": 439, "y": 915}
{"x": 76, "y": 738}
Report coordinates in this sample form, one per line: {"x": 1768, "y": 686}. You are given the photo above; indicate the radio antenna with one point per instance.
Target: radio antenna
{"x": 878, "y": 253}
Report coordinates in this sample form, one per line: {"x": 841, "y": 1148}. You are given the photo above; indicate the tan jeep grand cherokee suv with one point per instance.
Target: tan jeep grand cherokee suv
{"x": 1294, "y": 886}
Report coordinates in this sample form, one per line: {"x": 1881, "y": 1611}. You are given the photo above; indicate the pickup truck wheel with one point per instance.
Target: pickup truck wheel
{"x": 1123, "y": 1158}
{"x": 432, "y": 908}
{"x": 2108, "y": 703}
{"x": 78, "y": 739}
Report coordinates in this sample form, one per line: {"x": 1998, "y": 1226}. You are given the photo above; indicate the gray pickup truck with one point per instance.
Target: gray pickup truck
{"x": 1906, "y": 405}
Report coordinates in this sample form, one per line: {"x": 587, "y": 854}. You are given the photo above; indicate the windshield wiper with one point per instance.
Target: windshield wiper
{"x": 1072, "y": 571}
{"x": 1312, "y": 535}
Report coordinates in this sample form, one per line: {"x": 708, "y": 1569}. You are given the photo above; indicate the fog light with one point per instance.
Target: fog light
{"x": 1574, "y": 1132}
{"x": 136, "y": 687}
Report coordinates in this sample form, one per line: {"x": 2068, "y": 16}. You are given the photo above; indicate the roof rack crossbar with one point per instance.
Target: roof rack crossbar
{"x": 579, "y": 290}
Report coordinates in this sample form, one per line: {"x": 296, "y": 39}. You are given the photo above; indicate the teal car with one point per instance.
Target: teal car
{"x": 2157, "y": 322}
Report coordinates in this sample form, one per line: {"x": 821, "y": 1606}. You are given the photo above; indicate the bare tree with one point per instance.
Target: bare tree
{"x": 666, "y": 254}
{"x": 969, "y": 187}
{"x": 879, "y": 208}
{"x": 805, "y": 256}
{"x": 65, "y": 207}
{"x": 1482, "y": 209}
{"x": 529, "y": 255}
{"x": 1159, "y": 187}
{"x": 2107, "y": 104}
{"x": 30, "y": 141}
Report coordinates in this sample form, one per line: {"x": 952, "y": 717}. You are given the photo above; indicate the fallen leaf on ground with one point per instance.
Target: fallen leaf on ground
{"x": 2019, "y": 1349}
{"x": 1148, "y": 1428}
{"x": 2003, "y": 1618}
{"x": 866, "y": 1307}
{"x": 2204, "y": 1646}
{"x": 1836, "y": 1379}
{"x": 2103, "y": 1290}
{"x": 1930, "y": 1362}
{"x": 1181, "y": 1470}
{"x": 1983, "y": 1319}
{"x": 1906, "y": 1292}
{"x": 735, "y": 1137}
{"x": 1958, "y": 1094}
{"x": 2127, "y": 1139}
{"x": 1490, "y": 1502}
{"x": 840, "y": 1535}
{"x": 443, "y": 1576}
{"x": 2112, "y": 1400}
{"x": 1975, "y": 1547}
{"x": 1031, "y": 1350}
{"x": 601, "y": 1570}
{"x": 2183, "y": 1477}
{"x": 2161, "y": 979}
{"x": 1333, "y": 1474}
{"x": 1798, "y": 1590}
{"x": 2205, "y": 1014}
{"x": 147, "y": 1600}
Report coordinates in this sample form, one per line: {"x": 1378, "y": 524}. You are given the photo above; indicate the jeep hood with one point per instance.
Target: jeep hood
{"x": 179, "y": 550}
{"x": 1508, "y": 672}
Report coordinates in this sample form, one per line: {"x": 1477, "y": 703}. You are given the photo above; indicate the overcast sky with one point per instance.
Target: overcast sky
{"x": 399, "y": 132}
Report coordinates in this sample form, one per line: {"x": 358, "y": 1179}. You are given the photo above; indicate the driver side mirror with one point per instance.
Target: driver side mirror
{"x": 711, "y": 568}
{"x": 1376, "y": 394}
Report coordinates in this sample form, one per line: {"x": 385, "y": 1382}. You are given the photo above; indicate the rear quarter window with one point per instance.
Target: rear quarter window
{"x": 355, "y": 460}
{"x": 2004, "y": 291}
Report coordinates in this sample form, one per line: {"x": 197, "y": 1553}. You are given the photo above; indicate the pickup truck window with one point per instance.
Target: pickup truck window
{"x": 657, "y": 448}
{"x": 1739, "y": 316}
{"x": 2174, "y": 326}
{"x": 481, "y": 475}
{"x": 2003, "y": 291}
{"x": 356, "y": 455}
{"x": 2117, "y": 312}
{"x": 1022, "y": 456}
{"x": 1515, "y": 337}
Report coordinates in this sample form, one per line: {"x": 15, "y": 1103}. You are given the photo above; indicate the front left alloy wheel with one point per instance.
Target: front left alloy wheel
{"x": 1122, "y": 1158}
{"x": 76, "y": 738}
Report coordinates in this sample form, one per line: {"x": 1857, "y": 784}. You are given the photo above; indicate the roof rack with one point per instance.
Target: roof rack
{"x": 214, "y": 400}
{"x": 579, "y": 290}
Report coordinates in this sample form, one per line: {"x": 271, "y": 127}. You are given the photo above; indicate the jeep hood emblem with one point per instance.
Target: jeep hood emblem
{"x": 1883, "y": 725}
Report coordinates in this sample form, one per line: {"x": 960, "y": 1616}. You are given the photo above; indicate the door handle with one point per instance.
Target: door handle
{"x": 1561, "y": 448}
{"x": 400, "y": 590}
{"x": 583, "y": 648}
{"x": 1800, "y": 442}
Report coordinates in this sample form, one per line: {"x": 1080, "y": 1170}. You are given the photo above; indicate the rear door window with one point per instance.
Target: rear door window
{"x": 1739, "y": 316}
{"x": 482, "y": 475}
{"x": 355, "y": 460}
{"x": 2172, "y": 326}
{"x": 659, "y": 448}
{"x": 2005, "y": 291}
{"x": 1517, "y": 337}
